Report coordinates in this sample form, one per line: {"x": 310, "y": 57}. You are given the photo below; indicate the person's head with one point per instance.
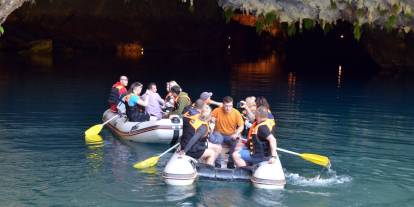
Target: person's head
{"x": 175, "y": 90}
{"x": 227, "y": 104}
{"x": 205, "y": 96}
{"x": 135, "y": 88}
{"x": 171, "y": 84}
{"x": 205, "y": 114}
{"x": 152, "y": 87}
{"x": 251, "y": 103}
{"x": 261, "y": 101}
{"x": 123, "y": 80}
{"x": 261, "y": 113}
{"x": 199, "y": 104}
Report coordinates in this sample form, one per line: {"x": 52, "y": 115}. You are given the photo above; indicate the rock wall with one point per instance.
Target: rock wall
{"x": 394, "y": 13}
{"x": 102, "y": 24}
{"x": 196, "y": 25}
{"x": 389, "y": 50}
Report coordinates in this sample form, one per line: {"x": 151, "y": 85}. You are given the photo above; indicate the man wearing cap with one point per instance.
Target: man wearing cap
{"x": 206, "y": 97}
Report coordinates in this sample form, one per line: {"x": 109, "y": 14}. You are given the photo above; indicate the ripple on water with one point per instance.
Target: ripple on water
{"x": 327, "y": 180}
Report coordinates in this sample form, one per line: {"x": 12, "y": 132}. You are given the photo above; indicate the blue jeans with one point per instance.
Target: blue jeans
{"x": 218, "y": 138}
{"x": 249, "y": 159}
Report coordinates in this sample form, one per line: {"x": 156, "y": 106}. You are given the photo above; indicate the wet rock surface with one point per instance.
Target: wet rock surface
{"x": 128, "y": 27}
{"x": 155, "y": 24}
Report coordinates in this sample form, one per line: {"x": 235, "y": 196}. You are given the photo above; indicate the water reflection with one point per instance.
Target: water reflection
{"x": 267, "y": 197}
{"x": 255, "y": 77}
{"x": 95, "y": 156}
{"x": 339, "y": 81}
{"x": 224, "y": 196}
{"x": 43, "y": 60}
{"x": 119, "y": 155}
{"x": 292, "y": 86}
{"x": 179, "y": 193}
{"x": 150, "y": 170}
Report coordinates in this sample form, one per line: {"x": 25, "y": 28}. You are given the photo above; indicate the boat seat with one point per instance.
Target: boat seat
{"x": 237, "y": 174}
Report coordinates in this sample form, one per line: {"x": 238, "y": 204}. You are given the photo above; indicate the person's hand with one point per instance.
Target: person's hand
{"x": 212, "y": 125}
{"x": 235, "y": 136}
{"x": 272, "y": 160}
{"x": 247, "y": 124}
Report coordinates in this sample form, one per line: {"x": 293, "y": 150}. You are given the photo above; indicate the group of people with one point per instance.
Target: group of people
{"x": 148, "y": 106}
{"x": 206, "y": 132}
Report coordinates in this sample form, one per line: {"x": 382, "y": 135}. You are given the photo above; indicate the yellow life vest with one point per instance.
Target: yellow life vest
{"x": 254, "y": 143}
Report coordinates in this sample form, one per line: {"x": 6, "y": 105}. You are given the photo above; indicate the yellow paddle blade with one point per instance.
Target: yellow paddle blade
{"x": 150, "y": 170}
{"x": 94, "y": 130}
{"x": 147, "y": 163}
{"x": 317, "y": 159}
{"x": 93, "y": 139}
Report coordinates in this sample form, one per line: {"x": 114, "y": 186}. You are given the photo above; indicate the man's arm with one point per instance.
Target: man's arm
{"x": 239, "y": 129}
{"x": 219, "y": 104}
{"x": 240, "y": 126}
{"x": 159, "y": 99}
{"x": 198, "y": 135}
{"x": 273, "y": 146}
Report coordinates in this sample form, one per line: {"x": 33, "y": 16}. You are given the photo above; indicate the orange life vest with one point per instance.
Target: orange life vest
{"x": 257, "y": 145}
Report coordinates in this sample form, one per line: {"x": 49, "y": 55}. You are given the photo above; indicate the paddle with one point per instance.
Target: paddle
{"x": 153, "y": 160}
{"x": 97, "y": 128}
{"x": 93, "y": 139}
{"x": 314, "y": 158}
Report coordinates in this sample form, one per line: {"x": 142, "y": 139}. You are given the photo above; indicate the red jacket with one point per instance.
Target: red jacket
{"x": 121, "y": 88}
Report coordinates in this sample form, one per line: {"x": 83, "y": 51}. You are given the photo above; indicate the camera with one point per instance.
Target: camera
{"x": 241, "y": 104}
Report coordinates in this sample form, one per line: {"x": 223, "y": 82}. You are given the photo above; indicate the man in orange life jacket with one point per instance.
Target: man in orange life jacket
{"x": 118, "y": 90}
{"x": 261, "y": 144}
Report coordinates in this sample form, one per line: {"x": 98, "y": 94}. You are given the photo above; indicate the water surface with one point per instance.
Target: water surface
{"x": 364, "y": 122}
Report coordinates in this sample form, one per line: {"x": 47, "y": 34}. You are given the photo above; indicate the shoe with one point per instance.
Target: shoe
{"x": 230, "y": 165}
{"x": 217, "y": 165}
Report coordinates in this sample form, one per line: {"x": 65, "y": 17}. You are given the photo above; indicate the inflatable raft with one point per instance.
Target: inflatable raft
{"x": 164, "y": 131}
{"x": 184, "y": 170}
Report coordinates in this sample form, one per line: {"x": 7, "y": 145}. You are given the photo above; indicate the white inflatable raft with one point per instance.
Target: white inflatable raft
{"x": 164, "y": 131}
{"x": 184, "y": 170}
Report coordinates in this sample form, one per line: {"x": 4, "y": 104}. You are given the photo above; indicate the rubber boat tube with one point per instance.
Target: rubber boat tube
{"x": 164, "y": 131}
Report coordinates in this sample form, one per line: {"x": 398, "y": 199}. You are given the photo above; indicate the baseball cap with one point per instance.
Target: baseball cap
{"x": 205, "y": 95}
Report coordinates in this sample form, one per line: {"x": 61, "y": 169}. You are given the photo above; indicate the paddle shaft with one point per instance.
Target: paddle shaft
{"x": 288, "y": 151}
{"x": 171, "y": 148}
{"x": 109, "y": 120}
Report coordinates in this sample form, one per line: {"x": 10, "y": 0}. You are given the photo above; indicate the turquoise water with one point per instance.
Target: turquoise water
{"x": 364, "y": 122}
